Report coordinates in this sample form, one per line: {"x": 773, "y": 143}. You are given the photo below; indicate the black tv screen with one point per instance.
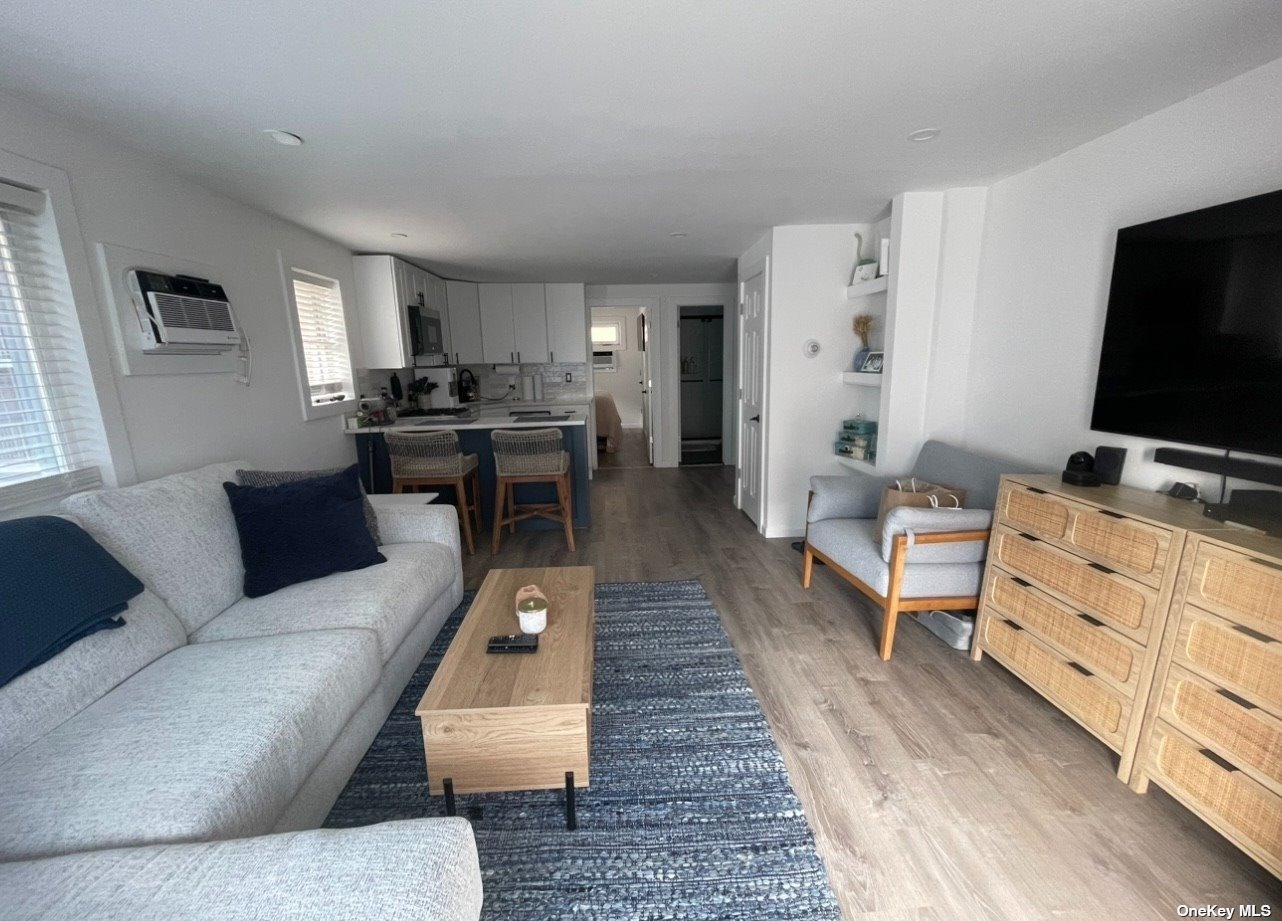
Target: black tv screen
{"x": 1193, "y": 337}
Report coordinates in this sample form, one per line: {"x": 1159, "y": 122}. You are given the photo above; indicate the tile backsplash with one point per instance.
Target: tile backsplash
{"x": 493, "y": 384}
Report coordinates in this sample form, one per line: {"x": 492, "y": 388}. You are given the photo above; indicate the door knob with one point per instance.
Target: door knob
{"x": 755, "y": 419}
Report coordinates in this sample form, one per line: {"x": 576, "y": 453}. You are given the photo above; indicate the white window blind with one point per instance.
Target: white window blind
{"x": 323, "y": 331}
{"x": 51, "y": 441}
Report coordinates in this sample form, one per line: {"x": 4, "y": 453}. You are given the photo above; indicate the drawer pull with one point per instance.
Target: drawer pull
{"x": 1254, "y": 634}
{"x": 1240, "y": 701}
{"x": 1013, "y": 625}
{"x": 1020, "y": 582}
{"x": 1101, "y": 567}
{"x": 1034, "y": 489}
{"x": 1258, "y": 562}
{"x": 1111, "y": 514}
{"x": 1091, "y": 620}
{"x": 1027, "y": 537}
{"x": 1212, "y": 756}
{"x": 1081, "y": 669}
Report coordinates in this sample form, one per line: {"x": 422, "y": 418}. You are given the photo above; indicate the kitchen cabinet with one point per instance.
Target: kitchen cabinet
{"x": 530, "y": 323}
{"x": 385, "y": 289}
{"x": 567, "y": 318}
{"x": 464, "y": 313}
{"x": 498, "y": 333}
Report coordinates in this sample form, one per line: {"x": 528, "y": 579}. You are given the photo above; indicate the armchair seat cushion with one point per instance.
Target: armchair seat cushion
{"x": 855, "y": 546}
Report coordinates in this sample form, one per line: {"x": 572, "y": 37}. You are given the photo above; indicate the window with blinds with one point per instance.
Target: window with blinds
{"x": 322, "y": 330}
{"x": 51, "y": 441}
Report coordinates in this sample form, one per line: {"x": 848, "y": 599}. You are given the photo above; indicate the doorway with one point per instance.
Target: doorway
{"x": 750, "y": 483}
{"x": 702, "y": 385}
{"x": 619, "y": 376}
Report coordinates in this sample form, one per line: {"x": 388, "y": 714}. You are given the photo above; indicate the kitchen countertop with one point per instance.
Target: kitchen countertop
{"x": 489, "y": 416}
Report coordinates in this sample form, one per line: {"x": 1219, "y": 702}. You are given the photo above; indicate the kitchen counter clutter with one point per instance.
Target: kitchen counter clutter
{"x": 492, "y": 416}
{"x": 474, "y": 438}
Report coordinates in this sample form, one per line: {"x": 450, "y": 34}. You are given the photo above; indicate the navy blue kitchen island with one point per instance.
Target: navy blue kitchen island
{"x": 474, "y": 438}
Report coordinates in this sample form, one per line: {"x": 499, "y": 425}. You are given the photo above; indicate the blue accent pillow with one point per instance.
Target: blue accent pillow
{"x": 299, "y": 531}
{"x": 60, "y": 586}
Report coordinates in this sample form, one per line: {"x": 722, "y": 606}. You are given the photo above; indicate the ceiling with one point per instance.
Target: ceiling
{"x": 559, "y": 140}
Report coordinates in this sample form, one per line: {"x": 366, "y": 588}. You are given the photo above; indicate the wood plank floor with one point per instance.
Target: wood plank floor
{"x": 936, "y": 788}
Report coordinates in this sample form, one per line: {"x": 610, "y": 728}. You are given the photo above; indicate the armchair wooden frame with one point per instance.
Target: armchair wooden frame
{"x": 892, "y": 604}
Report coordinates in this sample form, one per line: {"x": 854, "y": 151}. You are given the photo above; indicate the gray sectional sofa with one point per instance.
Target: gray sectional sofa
{"x": 171, "y": 767}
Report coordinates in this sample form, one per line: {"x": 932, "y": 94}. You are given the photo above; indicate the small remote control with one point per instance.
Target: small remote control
{"x": 513, "y": 642}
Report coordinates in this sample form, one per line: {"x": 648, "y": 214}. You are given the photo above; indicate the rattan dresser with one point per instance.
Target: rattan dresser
{"x": 1213, "y": 733}
{"x": 1076, "y": 594}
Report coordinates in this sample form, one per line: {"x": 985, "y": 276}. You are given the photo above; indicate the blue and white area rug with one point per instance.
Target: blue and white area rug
{"x": 690, "y": 813}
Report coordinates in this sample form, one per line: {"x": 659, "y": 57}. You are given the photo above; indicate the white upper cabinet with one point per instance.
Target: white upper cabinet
{"x": 567, "y": 323}
{"x": 530, "y": 321}
{"x": 386, "y": 287}
{"x": 498, "y": 332}
{"x": 465, "y": 323}
{"x": 380, "y": 303}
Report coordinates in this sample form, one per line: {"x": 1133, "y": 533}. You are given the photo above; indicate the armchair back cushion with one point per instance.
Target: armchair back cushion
{"x": 978, "y": 474}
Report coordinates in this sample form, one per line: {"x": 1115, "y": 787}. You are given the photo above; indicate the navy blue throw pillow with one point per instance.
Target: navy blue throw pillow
{"x": 301, "y": 531}
{"x": 60, "y": 585}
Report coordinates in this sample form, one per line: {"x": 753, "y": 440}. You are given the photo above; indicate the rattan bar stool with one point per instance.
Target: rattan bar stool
{"x": 434, "y": 459}
{"x": 531, "y": 456}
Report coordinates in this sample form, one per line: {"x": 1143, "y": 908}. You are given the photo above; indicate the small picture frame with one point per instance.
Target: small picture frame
{"x": 872, "y": 363}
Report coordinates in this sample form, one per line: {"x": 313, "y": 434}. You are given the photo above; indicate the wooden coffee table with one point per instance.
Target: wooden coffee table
{"x": 517, "y": 721}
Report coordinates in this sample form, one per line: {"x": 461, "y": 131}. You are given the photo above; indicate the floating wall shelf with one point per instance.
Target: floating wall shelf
{"x": 865, "y": 288}
{"x": 861, "y": 378}
{"x": 861, "y": 466}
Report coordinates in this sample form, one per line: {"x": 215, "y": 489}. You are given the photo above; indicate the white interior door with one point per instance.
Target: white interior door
{"x": 646, "y": 383}
{"x": 752, "y": 346}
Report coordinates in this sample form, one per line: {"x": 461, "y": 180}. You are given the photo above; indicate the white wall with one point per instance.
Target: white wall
{"x": 169, "y": 423}
{"x": 623, "y": 383}
{"x": 1047, "y": 259}
{"x": 663, "y": 305}
{"x": 805, "y": 399}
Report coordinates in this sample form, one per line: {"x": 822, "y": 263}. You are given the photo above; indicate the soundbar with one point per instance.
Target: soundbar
{"x": 1237, "y": 468}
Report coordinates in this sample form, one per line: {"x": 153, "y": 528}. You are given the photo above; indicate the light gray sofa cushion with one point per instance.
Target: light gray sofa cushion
{"x": 412, "y": 523}
{"x": 416, "y": 870}
{"x": 903, "y": 519}
{"x": 37, "y": 701}
{"x": 853, "y": 544}
{"x": 209, "y": 741}
{"x": 177, "y": 534}
{"x": 388, "y": 599}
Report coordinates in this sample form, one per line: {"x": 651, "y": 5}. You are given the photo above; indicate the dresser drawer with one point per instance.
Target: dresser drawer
{"x": 1239, "y": 731}
{"x": 1234, "y": 585}
{"x": 1125, "y": 545}
{"x": 1101, "y": 650}
{"x": 1247, "y": 663}
{"x": 1081, "y": 695}
{"x": 1120, "y": 602}
{"x": 1239, "y": 808}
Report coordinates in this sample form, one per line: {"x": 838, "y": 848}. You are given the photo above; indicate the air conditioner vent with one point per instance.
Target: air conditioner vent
{"x": 182, "y": 315}
{"x": 193, "y": 312}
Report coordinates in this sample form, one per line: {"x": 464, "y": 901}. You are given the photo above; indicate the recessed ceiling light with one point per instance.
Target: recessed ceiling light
{"x": 285, "y": 138}
{"x": 400, "y": 235}
{"x": 924, "y": 134}
{"x": 677, "y": 233}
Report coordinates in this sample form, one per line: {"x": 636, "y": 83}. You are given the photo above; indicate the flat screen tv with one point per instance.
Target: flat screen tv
{"x": 1193, "y": 337}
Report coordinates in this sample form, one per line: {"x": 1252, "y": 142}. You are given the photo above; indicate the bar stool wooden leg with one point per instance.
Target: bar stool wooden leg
{"x": 397, "y": 486}
{"x": 464, "y": 519}
{"x": 500, "y": 501}
{"x": 567, "y": 507}
{"x": 476, "y": 499}
{"x": 511, "y": 508}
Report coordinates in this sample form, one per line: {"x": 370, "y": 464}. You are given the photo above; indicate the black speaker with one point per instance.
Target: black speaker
{"x": 1080, "y": 470}
{"x": 1108, "y": 464}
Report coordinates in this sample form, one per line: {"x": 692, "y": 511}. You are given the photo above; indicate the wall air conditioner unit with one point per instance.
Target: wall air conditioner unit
{"x": 182, "y": 314}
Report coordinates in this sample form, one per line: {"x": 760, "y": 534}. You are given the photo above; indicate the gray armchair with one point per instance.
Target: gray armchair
{"x": 926, "y": 558}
